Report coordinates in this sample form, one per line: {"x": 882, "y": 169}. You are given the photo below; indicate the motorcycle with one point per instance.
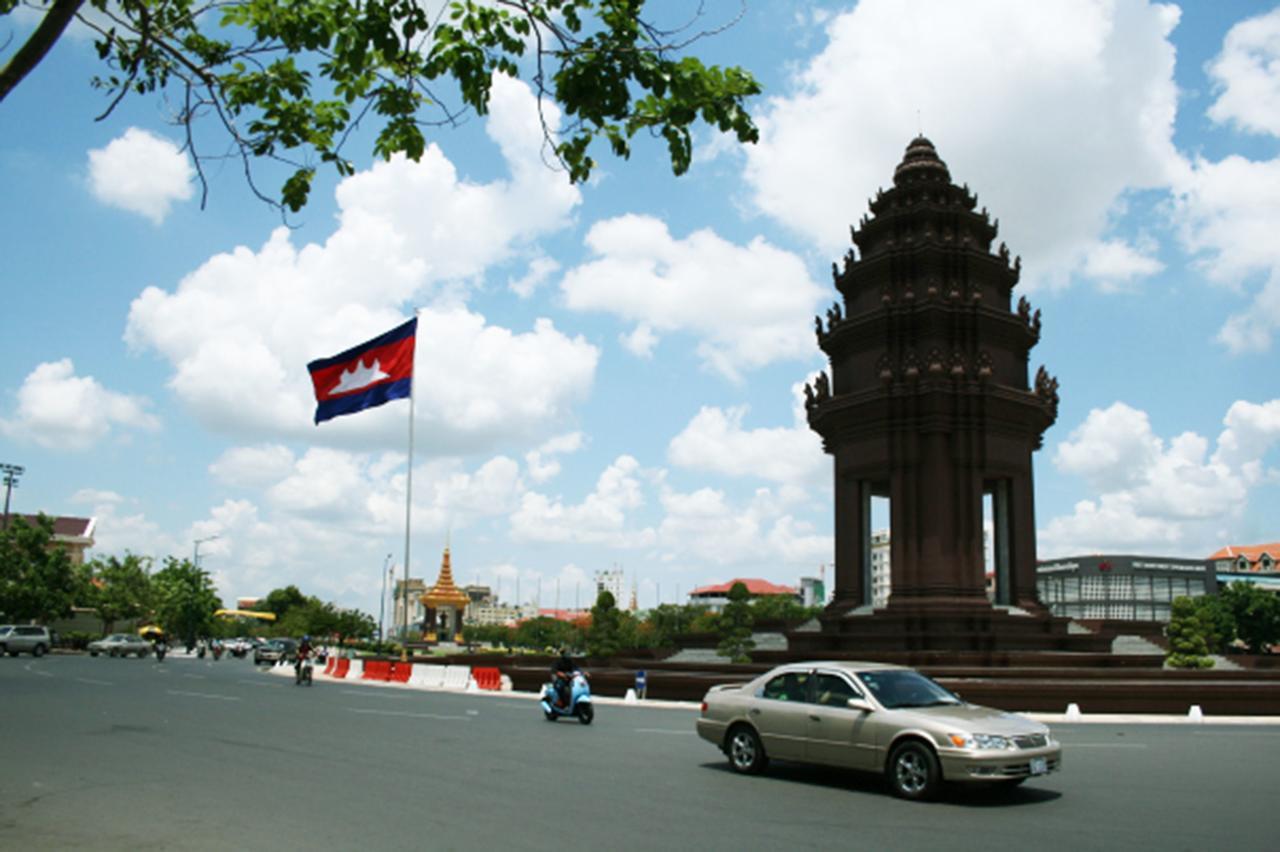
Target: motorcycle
{"x": 579, "y": 701}
{"x": 161, "y": 649}
{"x": 302, "y": 672}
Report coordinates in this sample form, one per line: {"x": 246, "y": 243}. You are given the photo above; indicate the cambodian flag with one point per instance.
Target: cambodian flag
{"x": 367, "y": 375}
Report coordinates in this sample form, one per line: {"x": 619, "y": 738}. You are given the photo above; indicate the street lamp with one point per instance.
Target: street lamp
{"x": 195, "y": 557}
{"x": 11, "y": 473}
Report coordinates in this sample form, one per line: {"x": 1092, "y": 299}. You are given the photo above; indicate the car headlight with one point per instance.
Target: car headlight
{"x": 990, "y": 742}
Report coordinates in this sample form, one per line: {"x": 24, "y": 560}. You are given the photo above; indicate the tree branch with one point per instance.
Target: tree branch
{"x": 38, "y": 45}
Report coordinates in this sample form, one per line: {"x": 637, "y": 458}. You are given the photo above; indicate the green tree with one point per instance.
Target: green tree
{"x": 123, "y": 589}
{"x": 603, "y": 638}
{"x": 185, "y": 599}
{"x": 1217, "y": 622}
{"x": 1256, "y": 614}
{"x": 352, "y": 624}
{"x": 735, "y": 625}
{"x": 545, "y": 632}
{"x": 781, "y": 608}
{"x": 37, "y": 580}
{"x": 280, "y": 601}
{"x": 290, "y": 81}
{"x": 1187, "y": 646}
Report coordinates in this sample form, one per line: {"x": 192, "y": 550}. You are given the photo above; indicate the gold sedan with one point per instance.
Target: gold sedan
{"x": 878, "y": 718}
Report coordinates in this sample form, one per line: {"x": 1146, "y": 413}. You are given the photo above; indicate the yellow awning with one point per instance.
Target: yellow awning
{"x": 246, "y": 613}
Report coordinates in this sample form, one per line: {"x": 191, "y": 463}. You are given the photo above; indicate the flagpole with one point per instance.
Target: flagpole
{"x": 408, "y": 511}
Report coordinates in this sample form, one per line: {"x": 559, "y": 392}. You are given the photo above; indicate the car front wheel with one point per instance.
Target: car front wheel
{"x": 37, "y": 651}
{"x": 913, "y": 772}
{"x": 746, "y": 752}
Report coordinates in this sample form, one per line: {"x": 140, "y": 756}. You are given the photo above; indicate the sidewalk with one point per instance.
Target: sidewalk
{"x": 692, "y": 706}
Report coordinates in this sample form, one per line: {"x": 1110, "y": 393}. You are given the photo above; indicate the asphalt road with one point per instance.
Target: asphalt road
{"x": 132, "y": 754}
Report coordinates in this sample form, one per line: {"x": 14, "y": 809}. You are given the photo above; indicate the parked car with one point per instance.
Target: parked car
{"x": 15, "y": 639}
{"x": 120, "y": 645}
{"x": 274, "y": 651}
{"x": 877, "y": 718}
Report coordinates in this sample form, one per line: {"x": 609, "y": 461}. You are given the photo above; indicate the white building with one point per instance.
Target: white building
{"x": 881, "y": 581}
{"x": 613, "y": 582}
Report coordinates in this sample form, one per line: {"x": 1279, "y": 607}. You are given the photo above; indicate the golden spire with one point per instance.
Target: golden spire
{"x": 445, "y": 592}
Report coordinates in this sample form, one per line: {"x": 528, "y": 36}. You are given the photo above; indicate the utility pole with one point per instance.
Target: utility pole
{"x": 195, "y": 556}
{"x": 11, "y": 473}
{"x": 382, "y": 603}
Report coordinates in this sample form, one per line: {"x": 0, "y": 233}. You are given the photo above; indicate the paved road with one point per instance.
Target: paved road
{"x": 131, "y": 754}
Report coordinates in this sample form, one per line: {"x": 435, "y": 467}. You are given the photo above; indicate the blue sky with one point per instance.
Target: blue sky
{"x": 609, "y": 375}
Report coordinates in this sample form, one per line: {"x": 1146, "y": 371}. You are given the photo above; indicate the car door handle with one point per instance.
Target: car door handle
{"x": 815, "y": 718}
{"x": 755, "y": 711}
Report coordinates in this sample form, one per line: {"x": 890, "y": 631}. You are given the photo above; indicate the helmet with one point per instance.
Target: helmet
{"x": 306, "y": 638}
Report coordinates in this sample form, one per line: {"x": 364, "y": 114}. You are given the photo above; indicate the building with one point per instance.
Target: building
{"x": 415, "y": 589}
{"x": 1258, "y": 564}
{"x": 1121, "y": 587}
{"x": 479, "y": 595}
{"x": 611, "y": 581}
{"x": 717, "y": 596}
{"x": 500, "y": 614}
{"x": 75, "y": 535}
{"x": 813, "y": 591}
{"x": 881, "y": 579}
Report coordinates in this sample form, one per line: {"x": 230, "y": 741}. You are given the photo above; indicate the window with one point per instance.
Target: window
{"x": 792, "y": 686}
{"x": 833, "y": 690}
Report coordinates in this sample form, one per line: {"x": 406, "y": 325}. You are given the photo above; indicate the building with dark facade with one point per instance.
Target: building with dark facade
{"x": 1121, "y": 587}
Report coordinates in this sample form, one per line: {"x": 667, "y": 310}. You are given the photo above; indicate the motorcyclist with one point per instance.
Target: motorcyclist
{"x": 161, "y": 646}
{"x": 562, "y": 671}
{"x": 304, "y": 651}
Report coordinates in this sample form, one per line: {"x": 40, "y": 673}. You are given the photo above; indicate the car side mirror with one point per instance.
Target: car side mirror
{"x": 859, "y": 704}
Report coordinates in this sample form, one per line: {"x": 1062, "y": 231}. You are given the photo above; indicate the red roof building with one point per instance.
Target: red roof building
{"x": 1247, "y": 557}
{"x": 74, "y": 534}
{"x": 717, "y": 596}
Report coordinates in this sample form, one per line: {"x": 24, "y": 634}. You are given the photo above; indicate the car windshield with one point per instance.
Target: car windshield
{"x": 4, "y": 630}
{"x": 900, "y": 688}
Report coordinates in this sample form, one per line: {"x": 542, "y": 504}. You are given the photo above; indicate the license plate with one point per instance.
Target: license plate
{"x": 1039, "y": 765}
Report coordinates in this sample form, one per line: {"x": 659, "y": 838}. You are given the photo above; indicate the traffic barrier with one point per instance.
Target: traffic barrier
{"x": 357, "y": 669}
{"x": 341, "y": 669}
{"x": 427, "y": 675}
{"x": 329, "y": 664}
{"x": 1073, "y": 711}
{"x": 505, "y": 682}
{"x": 401, "y": 671}
{"x": 487, "y": 677}
{"x": 456, "y": 677}
{"x": 376, "y": 670}
{"x": 1195, "y": 714}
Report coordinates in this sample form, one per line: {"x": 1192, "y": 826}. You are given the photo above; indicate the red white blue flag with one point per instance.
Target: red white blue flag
{"x": 367, "y": 375}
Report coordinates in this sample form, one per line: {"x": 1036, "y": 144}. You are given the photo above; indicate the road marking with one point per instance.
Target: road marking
{"x": 1104, "y": 745}
{"x": 473, "y": 712}
{"x": 195, "y": 677}
{"x": 36, "y": 671}
{"x": 366, "y": 693}
{"x": 664, "y": 731}
{"x": 259, "y": 683}
{"x": 95, "y": 682}
{"x": 203, "y": 695}
{"x": 408, "y": 715}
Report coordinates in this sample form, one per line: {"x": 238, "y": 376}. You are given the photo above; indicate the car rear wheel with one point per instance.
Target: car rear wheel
{"x": 745, "y": 751}
{"x": 37, "y": 651}
{"x": 913, "y": 772}
{"x": 93, "y": 653}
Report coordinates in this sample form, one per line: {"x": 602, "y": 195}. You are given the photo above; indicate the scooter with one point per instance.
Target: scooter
{"x": 161, "y": 648}
{"x": 302, "y": 672}
{"x": 579, "y": 701}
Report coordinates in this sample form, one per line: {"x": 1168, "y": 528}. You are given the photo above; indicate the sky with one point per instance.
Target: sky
{"x": 610, "y": 375}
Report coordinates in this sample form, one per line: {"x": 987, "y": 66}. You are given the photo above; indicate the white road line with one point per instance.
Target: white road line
{"x": 380, "y": 694}
{"x": 95, "y": 682}
{"x": 36, "y": 671}
{"x": 259, "y": 683}
{"x": 203, "y": 695}
{"x": 195, "y": 677}
{"x": 408, "y": 715}
{"x": 1066, "y": 745}
{"x": 664, "y": 731}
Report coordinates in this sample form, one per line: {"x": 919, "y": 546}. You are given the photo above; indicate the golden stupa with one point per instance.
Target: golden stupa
{"x": 445, "y": 595}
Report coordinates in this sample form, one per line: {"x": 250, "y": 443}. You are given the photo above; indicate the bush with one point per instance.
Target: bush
{"x": 75, "y": 640}
{"x": 1188, "y": 643}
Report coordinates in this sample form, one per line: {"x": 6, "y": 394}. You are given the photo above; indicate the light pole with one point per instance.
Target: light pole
{"x": 195, "y": 556}
{"x": 11, "y": 473}
{"x": 382, "y": 605}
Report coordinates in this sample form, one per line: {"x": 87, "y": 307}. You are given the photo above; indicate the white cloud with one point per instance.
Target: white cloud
{"x": 1156, "y": 495}
{"x": 542, "y": 463}
{"x": 715, "y": 441}
{"x": 59, "y": 410}
{"x": 244, "y": 324}
{"x": 142, "y": 173}
{"x": 1096, "y": 76}
{"x": 601, "y": 518}
{"x": 1246, "y": 75}
{"x": 749, "y": 305}
{"x": 707, "y": 525}
{"x": 640, "y": 341}
{"x": 1115, "y": 264}
{"x": 540, "y": 269}
{"x": 253, "y": 467}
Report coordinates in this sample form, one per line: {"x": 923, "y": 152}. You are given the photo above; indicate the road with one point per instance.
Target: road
{"x": 99, "y": 753}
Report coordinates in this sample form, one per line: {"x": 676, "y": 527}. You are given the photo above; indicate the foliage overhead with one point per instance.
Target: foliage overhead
{"x": 37, "y": 580}
{"x": 291, "y": 81}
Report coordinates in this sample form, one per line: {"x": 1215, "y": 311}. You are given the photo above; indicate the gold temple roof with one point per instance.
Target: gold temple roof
{"x": 444, "y": 592}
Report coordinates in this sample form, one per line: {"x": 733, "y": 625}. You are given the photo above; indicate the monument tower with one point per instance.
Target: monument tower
{"x": 928, "y": 404}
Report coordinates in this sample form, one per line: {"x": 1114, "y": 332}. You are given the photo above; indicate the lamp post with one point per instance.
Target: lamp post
{"x": 382, "y": 604}
{"x": 11, "y": 473}
{"x": 195, "y": 556}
